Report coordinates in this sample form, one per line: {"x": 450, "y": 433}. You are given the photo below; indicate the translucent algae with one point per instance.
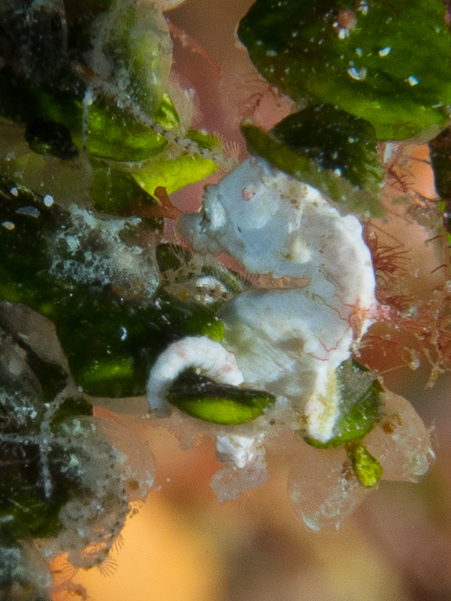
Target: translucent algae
{"x": 336, "y": 52}
{"x": 335, "y": 140}
{"x": 294, "y": 159}
{"x": 89, "y": 275}
{"x": 62, "y": 481}
{"x": 99, "y": 122}
{"x": 367, "y": 469}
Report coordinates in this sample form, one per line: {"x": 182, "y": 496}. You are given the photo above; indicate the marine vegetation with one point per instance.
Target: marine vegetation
{"x": 263, "y": 313}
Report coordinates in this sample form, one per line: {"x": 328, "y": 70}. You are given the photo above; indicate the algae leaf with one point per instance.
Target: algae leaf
{"x": 389, "y": 63}
{"x": 203, "y": 398}
{"x": 349, "y": 198}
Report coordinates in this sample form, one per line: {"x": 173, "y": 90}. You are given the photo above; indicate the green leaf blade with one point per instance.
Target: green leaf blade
{"x": 218, "y": 403}
{"x": 360, "y": 59}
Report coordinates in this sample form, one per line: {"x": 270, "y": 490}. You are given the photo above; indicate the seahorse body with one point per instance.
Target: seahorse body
{"x": 287, "y": 338}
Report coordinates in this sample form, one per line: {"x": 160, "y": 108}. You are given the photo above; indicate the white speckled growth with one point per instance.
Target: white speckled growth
{"x": 239, "y": 450}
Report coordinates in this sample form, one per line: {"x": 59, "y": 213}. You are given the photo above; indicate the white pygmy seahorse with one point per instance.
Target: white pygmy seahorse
{"x": 288, "y": 339}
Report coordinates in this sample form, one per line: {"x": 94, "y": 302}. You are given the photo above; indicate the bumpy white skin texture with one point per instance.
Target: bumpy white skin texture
{"x": 290, "y": 336}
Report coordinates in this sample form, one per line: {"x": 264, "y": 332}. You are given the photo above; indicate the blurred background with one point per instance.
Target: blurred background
{"x": 182, "y": 544}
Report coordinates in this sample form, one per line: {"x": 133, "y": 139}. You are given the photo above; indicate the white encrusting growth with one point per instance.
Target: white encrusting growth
{"x": 239, "y": 450}
{"x": 108, "y": 258}
{"x": 193, "y": 352}
{"x": 288, "y": 339}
